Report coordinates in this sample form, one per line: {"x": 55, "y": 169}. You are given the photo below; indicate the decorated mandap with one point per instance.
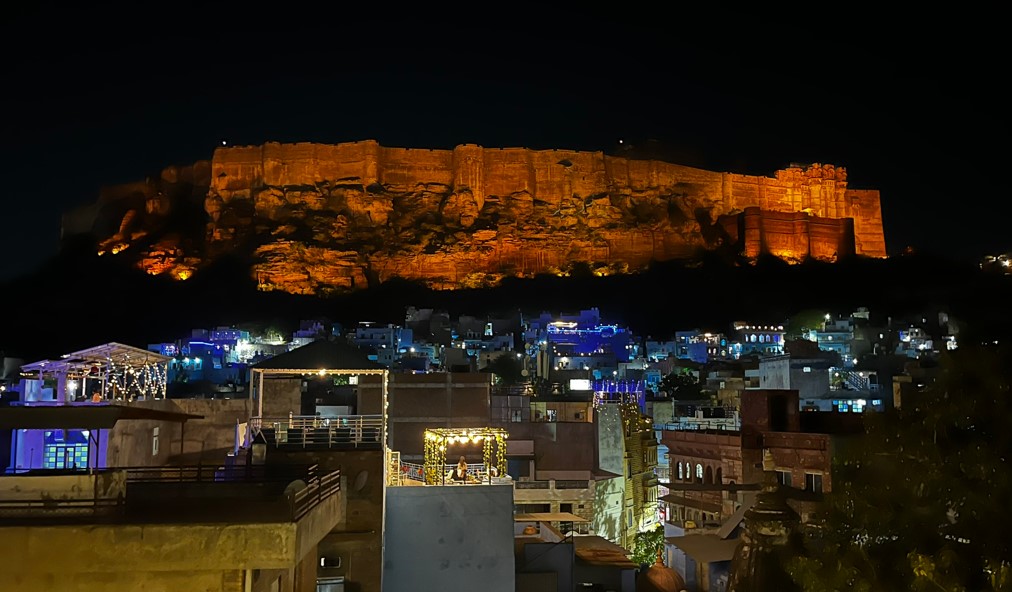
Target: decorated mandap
{"x": 439, "y": 441}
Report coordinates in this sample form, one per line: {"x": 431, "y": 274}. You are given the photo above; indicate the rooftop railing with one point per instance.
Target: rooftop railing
{"x": 319, "y": 432}
{"x": 257, "y": 493}
{"x": 701, "y": 424}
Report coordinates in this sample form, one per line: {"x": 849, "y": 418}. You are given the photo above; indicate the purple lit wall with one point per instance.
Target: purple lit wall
{"x": 29, "y": 449}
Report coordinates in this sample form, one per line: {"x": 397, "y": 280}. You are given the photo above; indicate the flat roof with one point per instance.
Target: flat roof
{"x": 596, "y": 550}
{"x": 87, "y": 416}
{"x": 705, "y": 548}
{"x": 320, "y": 355}
{"x": 83, "y": 360}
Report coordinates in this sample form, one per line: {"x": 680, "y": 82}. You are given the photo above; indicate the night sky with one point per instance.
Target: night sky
{"x": 94, "y": 99}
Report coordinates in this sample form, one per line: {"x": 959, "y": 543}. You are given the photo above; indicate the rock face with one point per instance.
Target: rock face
{"x": 323, "y": 218}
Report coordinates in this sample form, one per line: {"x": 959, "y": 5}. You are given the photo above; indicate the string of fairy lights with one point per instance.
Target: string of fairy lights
{"x": 124, "y": 380}
{"x": 437, "y": 441}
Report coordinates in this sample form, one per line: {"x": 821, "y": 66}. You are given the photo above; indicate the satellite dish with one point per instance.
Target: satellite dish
{"x": 360, "y": 480}
{"x": 295, "y": 487}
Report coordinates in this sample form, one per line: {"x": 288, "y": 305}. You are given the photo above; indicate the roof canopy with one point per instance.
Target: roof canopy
{"x": 82, "y": 361}
{"x": 596, "y": 550}
{"x": 705, "y": 548}
{"x": 90, "y": 416}
{"x": 320, "y": 355}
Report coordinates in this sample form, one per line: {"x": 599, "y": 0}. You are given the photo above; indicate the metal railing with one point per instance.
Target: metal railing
{"x": 219, "y": 473}
{"x": 319, "y": 432}
{"x": 317, "y": 490}
{"x": 60, "y": 507}
{"x": 413, "y": 471}
{"x": 694, "y": 424}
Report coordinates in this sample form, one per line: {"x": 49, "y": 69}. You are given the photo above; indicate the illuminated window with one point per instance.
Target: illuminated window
{"x": 65, "y": 449}
{"x": 681, "y": 474}
{"x": 699, "y": 473}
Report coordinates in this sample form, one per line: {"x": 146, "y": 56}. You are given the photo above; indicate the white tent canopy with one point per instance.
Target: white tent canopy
{"x": 125, "y": 372}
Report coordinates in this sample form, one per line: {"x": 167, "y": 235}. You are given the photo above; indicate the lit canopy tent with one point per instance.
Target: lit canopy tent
{"x": 321, "y": 357}
{"x": 437, "y": 440}
{"x": 124, "y": 372}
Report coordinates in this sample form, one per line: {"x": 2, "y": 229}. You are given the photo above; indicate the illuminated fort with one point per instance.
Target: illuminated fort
{"x": 322, "y": 218}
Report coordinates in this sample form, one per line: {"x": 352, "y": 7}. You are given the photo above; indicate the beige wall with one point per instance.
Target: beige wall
{"x": 280, "y": 396}
{"x": 357, "y": 539}
{"x": 169, "y": 557}
{"x": 205, "y": 440}
{"x": 103, "y": 485}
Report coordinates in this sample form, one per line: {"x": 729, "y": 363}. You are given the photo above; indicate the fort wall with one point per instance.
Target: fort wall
{"x": 339, "y": 216}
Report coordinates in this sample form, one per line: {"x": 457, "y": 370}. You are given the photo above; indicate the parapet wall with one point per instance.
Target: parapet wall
{"x": 545, "y": 174}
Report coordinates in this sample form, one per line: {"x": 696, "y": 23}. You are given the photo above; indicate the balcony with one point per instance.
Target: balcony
{"x": 348, "y": 431}
{"x": 248, "y": 494}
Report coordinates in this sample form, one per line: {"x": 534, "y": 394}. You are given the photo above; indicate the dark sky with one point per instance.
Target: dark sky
{"x": 92, "y": 98}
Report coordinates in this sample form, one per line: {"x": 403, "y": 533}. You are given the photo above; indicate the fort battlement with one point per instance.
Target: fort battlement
{"x": 337, "y": 216}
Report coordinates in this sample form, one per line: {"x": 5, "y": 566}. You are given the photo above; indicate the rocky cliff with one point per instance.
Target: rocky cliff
{"x": 318, "y": 219}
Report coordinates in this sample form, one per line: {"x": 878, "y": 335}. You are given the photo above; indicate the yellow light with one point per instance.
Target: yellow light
{"x": 322, "y": 372}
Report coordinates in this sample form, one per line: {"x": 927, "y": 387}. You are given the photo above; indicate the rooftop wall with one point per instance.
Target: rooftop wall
{"x": 453, "y": 537}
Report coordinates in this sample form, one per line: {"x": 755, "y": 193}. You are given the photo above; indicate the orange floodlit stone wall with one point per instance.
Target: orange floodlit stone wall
{"x": 337, "y": 217}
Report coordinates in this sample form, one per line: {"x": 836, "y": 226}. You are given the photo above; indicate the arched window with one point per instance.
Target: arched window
{"x": 719, "y": 477}
{"x": 688, "y": 472}
{"x": 709, "y": 476}
{"x": 699, "y": 473}
{"x": 681, "y": 472}
{"x": 752, "y": 339}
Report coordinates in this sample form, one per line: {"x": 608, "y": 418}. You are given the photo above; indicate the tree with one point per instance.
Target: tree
{"x": 801, "y": 322}
{"x": 921, "y": 502}
{"x": 508, "y": 368}
{"x": 681, "y": 386}
{"x": 646, "y": 544}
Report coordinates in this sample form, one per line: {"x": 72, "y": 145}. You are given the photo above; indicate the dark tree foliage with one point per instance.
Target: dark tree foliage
{"x": 507, "y": 368}
{"x": 681, "y": 386}
{"x": 922, "y": 501}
